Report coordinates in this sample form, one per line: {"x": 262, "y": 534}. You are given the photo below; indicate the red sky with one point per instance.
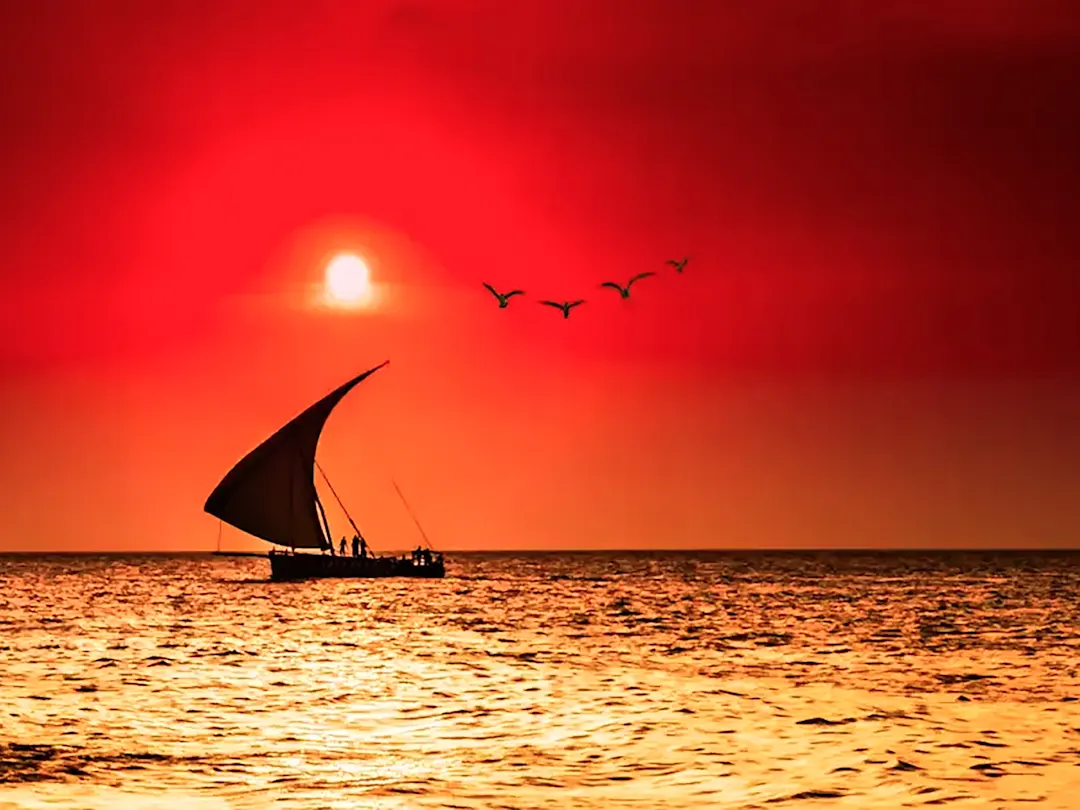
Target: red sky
{"x": 876, "y": 341}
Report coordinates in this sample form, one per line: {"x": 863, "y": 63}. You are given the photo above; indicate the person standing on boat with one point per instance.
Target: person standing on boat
{"x": 356, "y": 545}
{"x": 343, "y": 545}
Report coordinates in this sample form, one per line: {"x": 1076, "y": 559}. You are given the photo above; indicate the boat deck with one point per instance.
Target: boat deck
{"x": 285, "y": 566}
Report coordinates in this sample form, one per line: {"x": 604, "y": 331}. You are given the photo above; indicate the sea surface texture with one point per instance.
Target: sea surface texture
{"x": 667, "y": 680}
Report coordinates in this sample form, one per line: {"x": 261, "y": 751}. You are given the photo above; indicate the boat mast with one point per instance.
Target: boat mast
{"x": 292, "y": 515}
{"x": 325, "y": 523}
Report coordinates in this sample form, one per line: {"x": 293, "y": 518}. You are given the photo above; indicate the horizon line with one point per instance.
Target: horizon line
{"x": 582, "y": 550}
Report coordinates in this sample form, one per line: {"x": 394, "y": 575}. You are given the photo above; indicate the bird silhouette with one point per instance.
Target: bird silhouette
{"x": 565, "y": 306}
{"x": 624, "y": 292}
{"x": 678, "y": 265}
{"x": 504, "y": 298}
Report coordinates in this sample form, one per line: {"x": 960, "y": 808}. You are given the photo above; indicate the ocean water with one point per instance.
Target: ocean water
{"x": 678, "y": 680}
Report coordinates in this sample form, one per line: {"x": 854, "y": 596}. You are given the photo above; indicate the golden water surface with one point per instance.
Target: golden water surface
{"x": 536, "y": 681}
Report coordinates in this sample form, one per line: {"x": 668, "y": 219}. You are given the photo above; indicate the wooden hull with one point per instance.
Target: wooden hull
{"x": 323, "y": 566}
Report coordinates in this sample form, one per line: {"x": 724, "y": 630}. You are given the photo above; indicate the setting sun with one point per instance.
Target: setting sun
{"x": 348, "y": 282}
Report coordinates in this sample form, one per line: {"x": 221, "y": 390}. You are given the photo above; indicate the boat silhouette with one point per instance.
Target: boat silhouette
{"x": 270, "y": 494}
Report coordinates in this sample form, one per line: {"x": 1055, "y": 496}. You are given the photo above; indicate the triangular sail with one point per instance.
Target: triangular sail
{"x": 270, "y": 493}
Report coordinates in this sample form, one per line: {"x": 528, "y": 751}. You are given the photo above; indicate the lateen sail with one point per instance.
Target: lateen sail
{"x": 270, "y": 493}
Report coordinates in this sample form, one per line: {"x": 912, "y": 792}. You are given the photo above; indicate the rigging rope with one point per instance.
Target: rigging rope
{"x": 343, "y": 509}
{"x": 413, "y": 516}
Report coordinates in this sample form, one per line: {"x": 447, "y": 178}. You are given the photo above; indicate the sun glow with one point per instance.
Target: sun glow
{"x": 347, "y": 282}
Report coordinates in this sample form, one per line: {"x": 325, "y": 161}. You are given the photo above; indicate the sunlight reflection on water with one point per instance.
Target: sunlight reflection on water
{"x": 542, "y": 681}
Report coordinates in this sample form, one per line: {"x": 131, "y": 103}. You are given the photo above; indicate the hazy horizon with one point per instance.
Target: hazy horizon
{"x": 712, "y": 550}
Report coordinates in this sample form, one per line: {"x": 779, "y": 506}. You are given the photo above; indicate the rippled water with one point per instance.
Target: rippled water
{"x": 527, "y": 681}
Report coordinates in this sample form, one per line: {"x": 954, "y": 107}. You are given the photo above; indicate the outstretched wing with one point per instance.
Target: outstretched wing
{"x": 491, "y": 290}
{"x": 612, "y": 284}
{"x": 638, "y": 277}
{"x": 512, "y": 293}
{"x": 552, "y": 304}
{"x": 572, "y": 304}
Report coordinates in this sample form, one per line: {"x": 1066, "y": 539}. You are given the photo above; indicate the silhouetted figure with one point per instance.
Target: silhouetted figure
{"x": 679, "y": 265}
{"x": 504, "y": 298}
{"x": 342, "y": 546}
{"x": 356, "y": 545}
{"x": 565, "y": 306}
{"x": 624, "y": 292}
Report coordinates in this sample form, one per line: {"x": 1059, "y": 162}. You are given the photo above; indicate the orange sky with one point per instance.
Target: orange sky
{"x": 875, "y": 343}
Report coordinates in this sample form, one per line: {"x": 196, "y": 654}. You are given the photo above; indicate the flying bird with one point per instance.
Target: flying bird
{"x": 678, "y": 265}
{"x": 504, "y": 298}
{"x": 624, "y": 292}
{"x": 565, "y": 306}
